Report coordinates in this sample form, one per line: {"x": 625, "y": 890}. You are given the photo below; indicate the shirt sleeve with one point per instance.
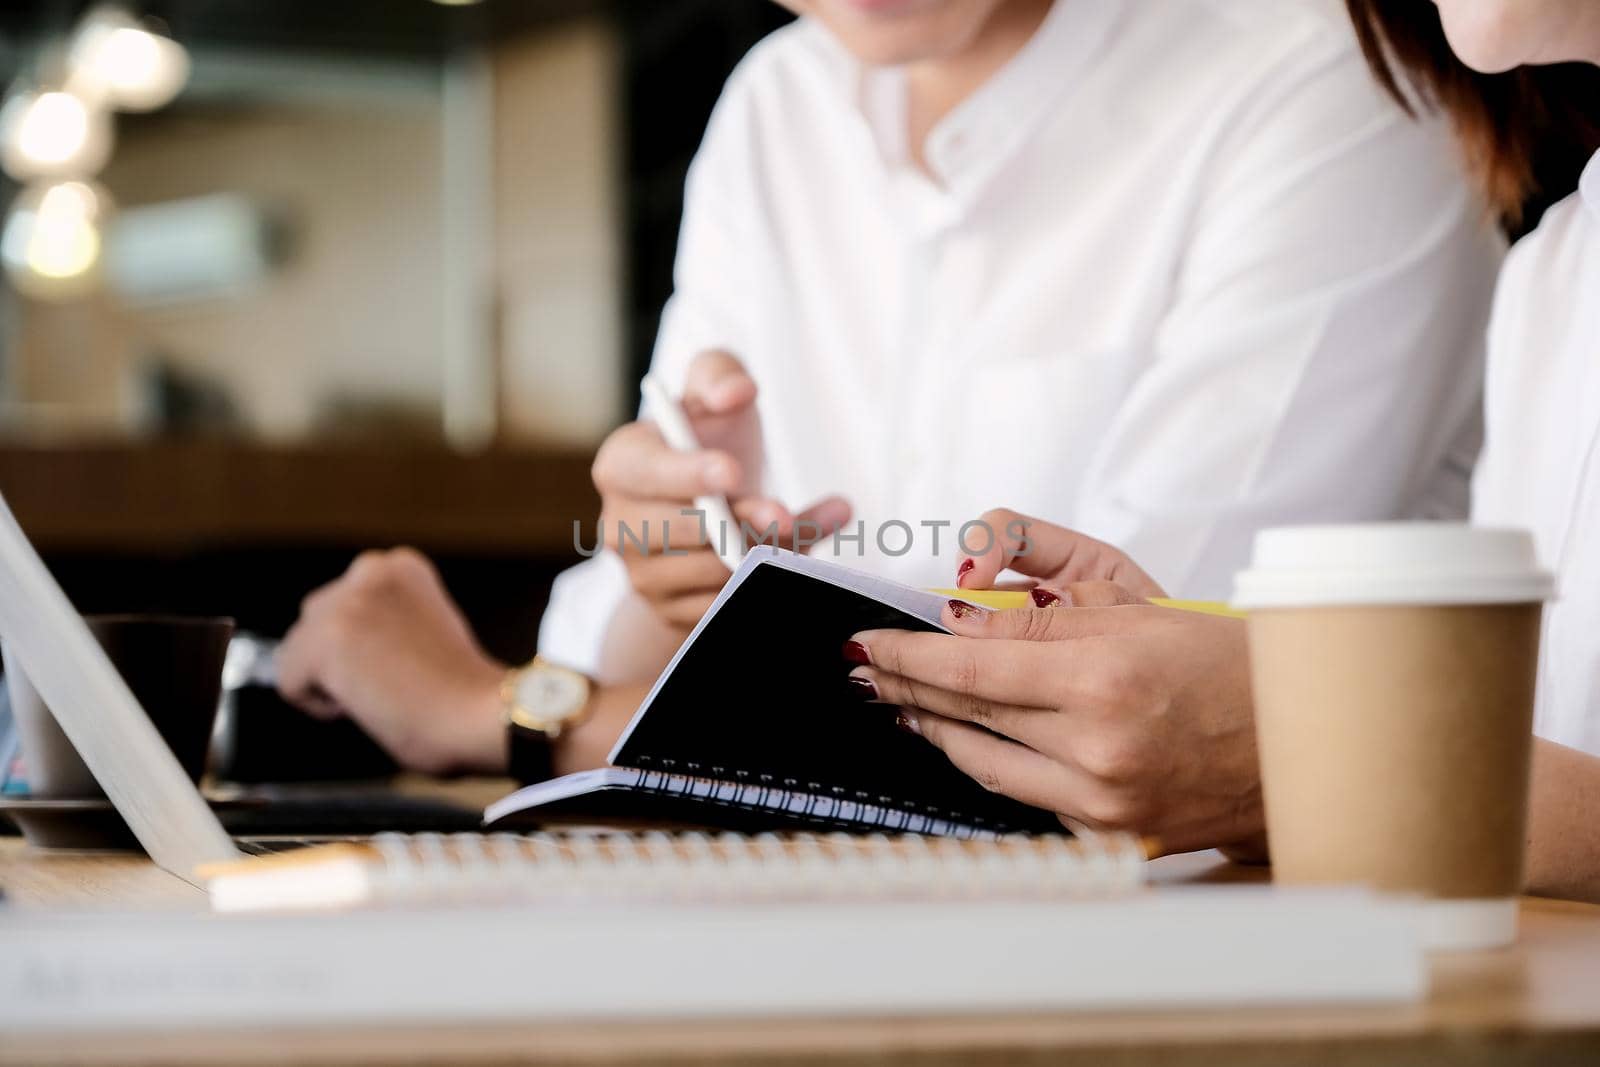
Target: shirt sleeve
{"x": 1321, "y": 358}
{"x": 595, "y": 623}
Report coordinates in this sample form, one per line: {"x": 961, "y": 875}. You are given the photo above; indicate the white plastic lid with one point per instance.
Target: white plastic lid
{"x": 1392, "y": 563}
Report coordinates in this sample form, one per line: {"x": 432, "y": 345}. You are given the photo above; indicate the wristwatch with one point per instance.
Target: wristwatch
{"x": 541, "y": 701}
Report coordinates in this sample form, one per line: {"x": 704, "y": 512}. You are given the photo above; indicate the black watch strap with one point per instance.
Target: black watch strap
{"x": 528, "y": 754}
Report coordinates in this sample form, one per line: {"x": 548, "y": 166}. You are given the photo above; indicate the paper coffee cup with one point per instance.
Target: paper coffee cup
{"x": 1394, "y": 668}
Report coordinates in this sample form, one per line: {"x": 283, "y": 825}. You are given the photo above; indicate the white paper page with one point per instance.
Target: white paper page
{"x": 100, "y": 716}
{"x": 553, "y": 789}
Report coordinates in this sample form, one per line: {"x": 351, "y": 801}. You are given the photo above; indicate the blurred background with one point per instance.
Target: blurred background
{"x": 285, "y": 280}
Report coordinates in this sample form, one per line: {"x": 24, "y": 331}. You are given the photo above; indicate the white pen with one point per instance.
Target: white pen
{"x": 721, "y": 529}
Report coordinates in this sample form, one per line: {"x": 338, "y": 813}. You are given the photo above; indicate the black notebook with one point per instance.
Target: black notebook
{"x": 751, "y": 726}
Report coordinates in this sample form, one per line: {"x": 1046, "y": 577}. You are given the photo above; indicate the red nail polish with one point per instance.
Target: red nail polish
{"x": 862, "y": 688}
{"x": 1044, "y": 598}
{"x": 908, "y": 724}
{"x": 966, "y": 566}
{"x": 855, "y": 652}
{"x": 962, "y": 610}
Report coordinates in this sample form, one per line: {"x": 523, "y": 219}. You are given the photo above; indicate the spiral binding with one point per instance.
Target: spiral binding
{"x": 706, "y": 868}
{"x": 811, "y": 802}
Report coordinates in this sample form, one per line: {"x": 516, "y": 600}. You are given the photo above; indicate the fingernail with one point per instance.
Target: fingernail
{"x": 862, "y": 688}
{"x": 965, "y": 568}
{"x": 1044, "y": 598}
{"x": 855, "y": 652}
{"x": 962, "y": 610}
{"x": 908, "y": 723}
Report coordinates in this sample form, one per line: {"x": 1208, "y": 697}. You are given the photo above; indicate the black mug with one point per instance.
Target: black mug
{"x": 173, "y": 666}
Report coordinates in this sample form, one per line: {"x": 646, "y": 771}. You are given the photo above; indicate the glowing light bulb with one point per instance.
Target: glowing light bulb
{"x": 54, "y": 129}
{"x": 131, "y": 68}
{"x": 51, "y": 242}
{"x": 48, "y": 134}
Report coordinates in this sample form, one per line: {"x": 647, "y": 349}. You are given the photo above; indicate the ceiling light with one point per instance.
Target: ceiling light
{"x": 51, "y": 243}
{"x": 46, "y": 134}
{"x": 115, "y": 58}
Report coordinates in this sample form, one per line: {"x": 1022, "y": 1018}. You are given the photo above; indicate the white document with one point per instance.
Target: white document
{"x": 1186, "y": 947}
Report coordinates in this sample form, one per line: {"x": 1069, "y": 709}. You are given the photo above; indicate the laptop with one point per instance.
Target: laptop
{"x": 121, "y": 747}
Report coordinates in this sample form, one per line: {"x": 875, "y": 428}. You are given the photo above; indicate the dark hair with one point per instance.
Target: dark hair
{"x": 1527, "y": 133}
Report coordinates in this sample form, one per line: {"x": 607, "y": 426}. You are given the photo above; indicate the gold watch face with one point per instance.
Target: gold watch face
{"x": 546, "y": 697}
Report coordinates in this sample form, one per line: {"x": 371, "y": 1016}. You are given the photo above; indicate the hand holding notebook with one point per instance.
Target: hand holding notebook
{"x": 808, "y": 754}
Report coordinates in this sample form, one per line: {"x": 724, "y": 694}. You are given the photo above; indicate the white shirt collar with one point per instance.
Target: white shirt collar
{"x": 985, "y": 129}
{"x": 1589, "y": 186}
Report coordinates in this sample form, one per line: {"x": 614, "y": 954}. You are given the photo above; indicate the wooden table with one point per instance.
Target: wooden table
{"x": 1537, "y": 1003}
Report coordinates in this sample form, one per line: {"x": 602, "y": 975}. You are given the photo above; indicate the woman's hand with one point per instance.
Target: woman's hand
{"x": 1131, "y": 717}
{"x": 1056, "y": 556}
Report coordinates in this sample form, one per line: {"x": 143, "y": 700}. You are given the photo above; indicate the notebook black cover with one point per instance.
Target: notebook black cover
{"x": 759, "y": 697}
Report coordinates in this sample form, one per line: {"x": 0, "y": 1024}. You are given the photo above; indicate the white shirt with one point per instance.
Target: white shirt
{"x": 1179, "y": 271}
{"x": 1540, "y": 467}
